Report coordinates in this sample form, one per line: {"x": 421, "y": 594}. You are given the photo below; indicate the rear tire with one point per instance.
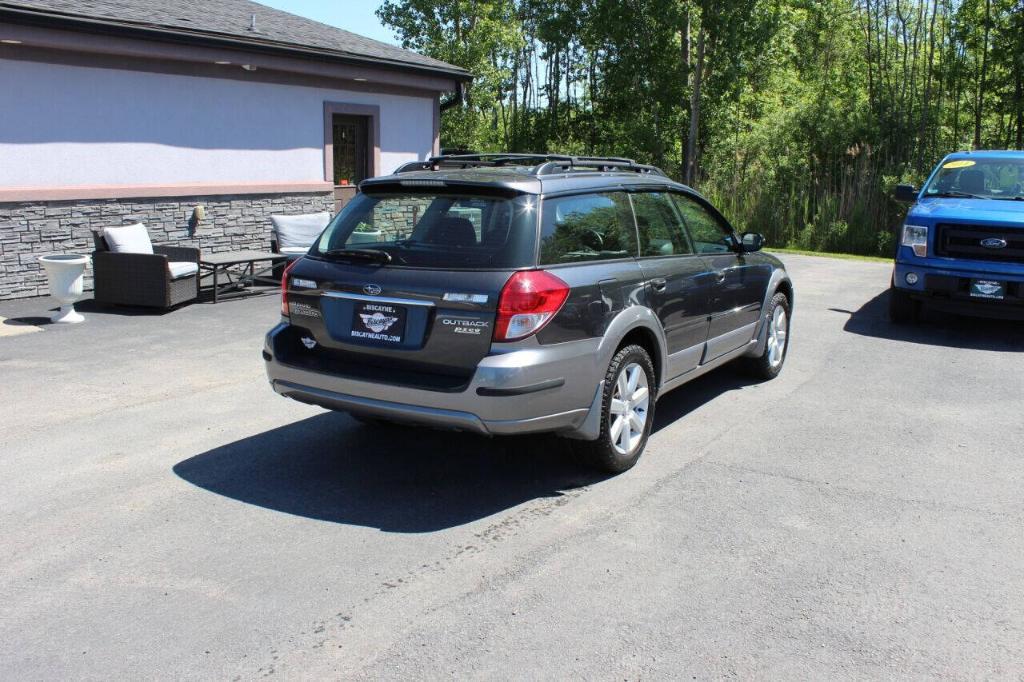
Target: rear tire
{"x": 627, "y": 413}
{"x": 902, "y": 308}
{"x": 769, "y": 364}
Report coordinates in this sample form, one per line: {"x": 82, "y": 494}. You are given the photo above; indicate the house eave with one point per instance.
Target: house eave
{"x": 42, "y": 19}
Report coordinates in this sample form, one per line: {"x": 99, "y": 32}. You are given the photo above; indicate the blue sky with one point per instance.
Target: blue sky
{"x": 352, "y": 15}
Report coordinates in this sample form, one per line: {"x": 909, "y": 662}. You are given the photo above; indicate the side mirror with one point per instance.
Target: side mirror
{"x": 752, "y": 242}
{"x": 906, "y": 193}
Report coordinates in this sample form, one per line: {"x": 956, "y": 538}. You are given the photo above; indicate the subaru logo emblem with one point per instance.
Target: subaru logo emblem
{"x": 994, "y": 243}
{"x": 372, "y": 289}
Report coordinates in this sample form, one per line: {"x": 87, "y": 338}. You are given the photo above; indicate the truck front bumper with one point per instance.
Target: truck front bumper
{"x": 949, "y": 289}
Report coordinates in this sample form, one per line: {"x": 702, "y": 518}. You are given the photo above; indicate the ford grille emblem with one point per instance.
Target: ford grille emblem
{"x": 994, "y": 243}
{"x": 372, "y": 289}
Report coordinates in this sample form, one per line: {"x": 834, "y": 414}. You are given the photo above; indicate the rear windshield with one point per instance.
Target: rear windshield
{"x": 450, "y": 231}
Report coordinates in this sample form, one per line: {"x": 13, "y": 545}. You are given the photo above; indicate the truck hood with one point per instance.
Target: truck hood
{"x": 969, "y": 210}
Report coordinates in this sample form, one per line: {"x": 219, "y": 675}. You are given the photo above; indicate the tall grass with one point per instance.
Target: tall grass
{"x": 844, "y": 207}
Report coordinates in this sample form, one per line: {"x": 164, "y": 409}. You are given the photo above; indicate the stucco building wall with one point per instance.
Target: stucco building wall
{"x": 82, "y": 126}
{"x": 85, "y": 147}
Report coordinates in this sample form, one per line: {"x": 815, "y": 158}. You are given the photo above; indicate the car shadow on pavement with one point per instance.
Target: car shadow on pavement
{"x": 395, "y": 478}
{"x": 935, "y": 328}
{"x": 681, "y": 402}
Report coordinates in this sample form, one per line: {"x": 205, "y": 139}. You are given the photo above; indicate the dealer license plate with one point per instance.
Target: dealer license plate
{"x": 380, "y": 322}
{"x": 986, "y": 288}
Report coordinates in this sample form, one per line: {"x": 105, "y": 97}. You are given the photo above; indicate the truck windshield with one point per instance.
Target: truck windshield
{"x": 450, "y": 231}
{"x": 981, "y": 178}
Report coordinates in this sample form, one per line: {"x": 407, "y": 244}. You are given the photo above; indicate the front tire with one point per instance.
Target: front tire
{"x": 902, "y": 308}
{"x": 627, "y": 413}
{"x": 769, "y": 364}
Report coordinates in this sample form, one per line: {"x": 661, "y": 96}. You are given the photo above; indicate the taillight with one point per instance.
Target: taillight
{"x": 284, "y": 287}
{"x": 528, "y": 301}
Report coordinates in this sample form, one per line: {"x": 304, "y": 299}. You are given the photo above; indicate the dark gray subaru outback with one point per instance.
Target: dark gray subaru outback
{"x": 512, "y": 294}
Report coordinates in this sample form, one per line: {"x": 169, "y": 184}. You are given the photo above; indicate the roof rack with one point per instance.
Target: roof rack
{"x": 539, "y": 164}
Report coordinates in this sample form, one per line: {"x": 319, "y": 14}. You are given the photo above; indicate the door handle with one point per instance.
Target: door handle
{"x": 720, "y": 276}
{"x": 659, "y": 284}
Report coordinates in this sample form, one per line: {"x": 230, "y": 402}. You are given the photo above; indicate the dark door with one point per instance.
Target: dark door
{"x": 739, "y": 284}
{"x": 679, "y": 282}
{"x": 351, "y": 140}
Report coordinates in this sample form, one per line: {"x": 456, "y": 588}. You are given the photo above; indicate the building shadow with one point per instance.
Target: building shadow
{"x": 935, "y": 328}
{"x": 394, "y": 478}
{"x": 404, "y": 479}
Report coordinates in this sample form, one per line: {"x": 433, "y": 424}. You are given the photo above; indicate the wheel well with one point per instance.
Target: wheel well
{"x": 645, "y": 339}
{"x": 786, "y": 287}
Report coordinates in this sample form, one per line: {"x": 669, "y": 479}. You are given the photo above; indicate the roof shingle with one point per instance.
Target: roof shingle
{"x": 232, "y": 19}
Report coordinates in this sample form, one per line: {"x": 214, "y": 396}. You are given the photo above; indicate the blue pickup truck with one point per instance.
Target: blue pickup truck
{"x": 961, "y": 248}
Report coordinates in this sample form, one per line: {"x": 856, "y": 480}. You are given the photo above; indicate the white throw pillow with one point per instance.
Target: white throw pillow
{"x": 128, "y": 239}
{"x": 185, "y": 269}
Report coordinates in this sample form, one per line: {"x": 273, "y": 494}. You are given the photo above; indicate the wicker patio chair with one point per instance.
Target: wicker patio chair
{"x": 162, "y": 279}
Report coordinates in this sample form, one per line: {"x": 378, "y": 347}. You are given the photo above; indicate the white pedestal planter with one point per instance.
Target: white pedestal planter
{"x": 66, "y": 277}
{"x": 364, "y": 237}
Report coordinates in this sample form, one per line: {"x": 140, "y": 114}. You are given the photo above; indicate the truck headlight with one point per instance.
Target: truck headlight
{"x": 916, "y": 237}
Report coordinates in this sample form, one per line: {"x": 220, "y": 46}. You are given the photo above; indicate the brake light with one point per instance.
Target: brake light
{"x": 528, "y": 301}
{"x": 284, "y": 287}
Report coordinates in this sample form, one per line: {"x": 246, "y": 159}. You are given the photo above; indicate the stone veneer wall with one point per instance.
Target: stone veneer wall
{"x": 232, "y": 223}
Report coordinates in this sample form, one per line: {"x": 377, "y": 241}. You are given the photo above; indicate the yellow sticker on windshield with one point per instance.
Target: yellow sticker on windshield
{"x": 962, "y": 163}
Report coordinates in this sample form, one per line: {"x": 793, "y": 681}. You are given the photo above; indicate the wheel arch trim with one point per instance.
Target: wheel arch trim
{"x": 632, "y": 319}
{"x": 779, "y": 281}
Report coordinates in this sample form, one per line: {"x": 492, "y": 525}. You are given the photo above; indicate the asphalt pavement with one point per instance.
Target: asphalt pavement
{"x": 165, "y": 515}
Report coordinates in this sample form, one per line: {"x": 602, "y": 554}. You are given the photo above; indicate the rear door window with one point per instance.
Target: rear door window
{"x": 660, "y": 225}
{"x": 587, "y": 227}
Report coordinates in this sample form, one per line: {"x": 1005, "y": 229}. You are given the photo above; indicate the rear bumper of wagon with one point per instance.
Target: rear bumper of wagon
{"x": 529, "y": 390}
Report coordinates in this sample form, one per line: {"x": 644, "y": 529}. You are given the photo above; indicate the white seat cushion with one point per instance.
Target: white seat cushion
{"x": 298, "y": 231}
{"x": 179, "y": 270}
{"x": 128, "y": 239}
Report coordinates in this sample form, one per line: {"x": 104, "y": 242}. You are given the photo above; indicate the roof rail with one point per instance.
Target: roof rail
{"x": 540, "y": 164}
{"x": 595, "y": 163}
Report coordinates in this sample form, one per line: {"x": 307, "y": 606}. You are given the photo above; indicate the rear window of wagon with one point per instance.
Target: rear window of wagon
{"x": 452, "y": 231}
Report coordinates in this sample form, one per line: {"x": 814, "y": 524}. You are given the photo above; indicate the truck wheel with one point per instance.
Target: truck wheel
{"x": 627, "y": 413}
{"x": 769, "y": 364}
{"x": 902, "y": 308}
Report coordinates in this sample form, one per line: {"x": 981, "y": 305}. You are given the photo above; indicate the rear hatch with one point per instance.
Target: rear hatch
{"x": 403, "y": 287}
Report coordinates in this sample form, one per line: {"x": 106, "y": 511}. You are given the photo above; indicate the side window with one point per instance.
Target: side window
{"x": 707, "y": 233}
{"x": 660, "y": 225}
{"x": 587, "y": 227}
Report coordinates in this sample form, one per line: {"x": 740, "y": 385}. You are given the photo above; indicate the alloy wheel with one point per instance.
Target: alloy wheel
{"x": 778, "y": 337}
{"x": 629, "y": 409}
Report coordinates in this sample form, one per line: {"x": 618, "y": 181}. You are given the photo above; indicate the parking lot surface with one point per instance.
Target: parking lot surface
{"x": 165, "y": 514}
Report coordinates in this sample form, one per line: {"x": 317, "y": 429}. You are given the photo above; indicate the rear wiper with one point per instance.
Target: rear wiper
{"x": 955, "y": 193}
{"x": 372, "y": 255}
